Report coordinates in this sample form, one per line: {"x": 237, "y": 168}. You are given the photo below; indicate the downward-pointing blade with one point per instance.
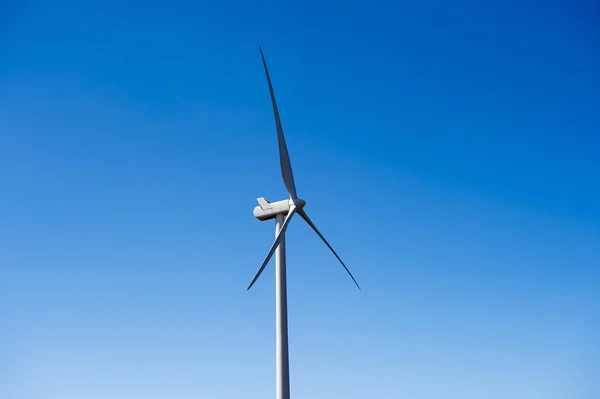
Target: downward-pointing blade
{"x": 284, "y": 156}
{"x": 280, "y": 237}
{"x": 311, "y": 224}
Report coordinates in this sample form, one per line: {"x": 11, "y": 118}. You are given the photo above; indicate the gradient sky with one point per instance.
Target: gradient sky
{"x": 449, "y": 152}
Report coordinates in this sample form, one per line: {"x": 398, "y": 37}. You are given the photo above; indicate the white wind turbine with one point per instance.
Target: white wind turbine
{"x": 283, "y": 212}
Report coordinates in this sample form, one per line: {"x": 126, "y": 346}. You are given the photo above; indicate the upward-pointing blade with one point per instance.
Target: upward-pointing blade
{"x": 280, "y": 236}
{"x": 311, "y": 224}
{"x": 284, "y": 157}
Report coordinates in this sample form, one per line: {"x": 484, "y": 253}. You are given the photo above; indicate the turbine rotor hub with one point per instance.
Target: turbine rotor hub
{"x": 298, "y": 202}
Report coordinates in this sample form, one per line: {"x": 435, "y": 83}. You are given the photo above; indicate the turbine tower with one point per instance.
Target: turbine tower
{"x": 283, "y": 212}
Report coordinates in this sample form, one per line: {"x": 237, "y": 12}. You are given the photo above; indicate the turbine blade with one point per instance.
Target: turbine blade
{"x": 311, "y": 224}
{"x": 284, "y": 156}
{"x": 280, "y": 237}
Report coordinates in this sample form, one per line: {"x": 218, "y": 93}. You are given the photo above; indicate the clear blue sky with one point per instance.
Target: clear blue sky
{"x": 448, "y": 152}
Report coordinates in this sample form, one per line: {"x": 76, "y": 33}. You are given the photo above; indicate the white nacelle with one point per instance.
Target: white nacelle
{"x": 268, "y": 210}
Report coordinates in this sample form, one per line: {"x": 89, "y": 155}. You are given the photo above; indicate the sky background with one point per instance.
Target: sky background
{"x": 449, "y": 152}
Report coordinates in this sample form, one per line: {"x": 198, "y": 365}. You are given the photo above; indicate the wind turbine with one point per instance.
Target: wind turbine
{"x": 283, "y": 212}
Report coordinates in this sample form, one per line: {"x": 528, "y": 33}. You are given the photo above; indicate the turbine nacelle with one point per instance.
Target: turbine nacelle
{"x": 269, "y": 210}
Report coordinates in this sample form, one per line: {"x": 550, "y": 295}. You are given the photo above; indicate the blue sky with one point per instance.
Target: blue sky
{"x": 448, "y": 152}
